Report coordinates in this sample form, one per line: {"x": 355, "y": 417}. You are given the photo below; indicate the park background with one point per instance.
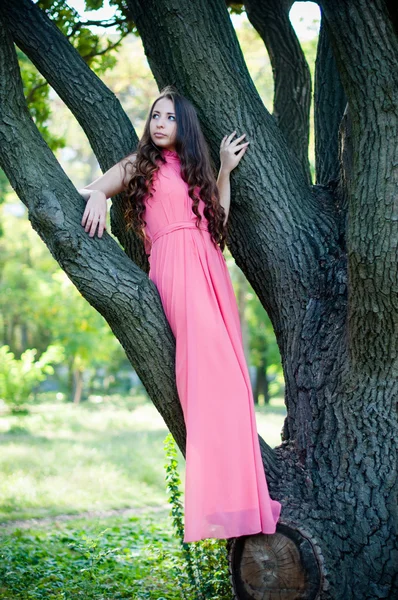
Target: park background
{"x": 82, "y": 463}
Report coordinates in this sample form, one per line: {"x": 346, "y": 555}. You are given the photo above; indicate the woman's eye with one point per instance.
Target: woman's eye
{"x": 170, "y": 117}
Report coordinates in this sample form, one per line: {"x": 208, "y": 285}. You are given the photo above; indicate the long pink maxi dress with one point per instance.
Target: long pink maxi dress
{"x": 226, "y": 493}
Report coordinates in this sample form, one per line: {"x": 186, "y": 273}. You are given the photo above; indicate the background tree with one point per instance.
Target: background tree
{"x": 321, "y": 258}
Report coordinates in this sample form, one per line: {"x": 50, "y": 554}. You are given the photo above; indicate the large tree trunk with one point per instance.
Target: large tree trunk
{"x": 336, "y": 324}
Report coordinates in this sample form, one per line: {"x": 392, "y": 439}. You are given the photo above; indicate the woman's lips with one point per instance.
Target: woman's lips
{"x": 159, "y": 135}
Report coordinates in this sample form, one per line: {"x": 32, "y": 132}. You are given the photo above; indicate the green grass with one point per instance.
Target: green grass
{"x": 62, "y": 458}
{"x": 66, "y": 459}
{"x": 269, "y": 419}
{"x": 92, "y": 559}
{"x": 105, "y": 454}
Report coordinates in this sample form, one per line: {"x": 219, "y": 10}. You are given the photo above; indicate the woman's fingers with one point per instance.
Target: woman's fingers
{"x": 85, "y": 215}
{"x": 241, "y": 146}
{"x": 237, "y": 140}
{"x": 231, "y": 135}
{"x": 94, "y": 216}
{"x": 101, "y": 227}
{"x": 93, "y": 221}
{"x": 227, "y": 139}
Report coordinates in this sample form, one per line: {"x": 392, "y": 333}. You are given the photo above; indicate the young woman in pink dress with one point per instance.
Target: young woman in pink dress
{"x": 175, "y": 203}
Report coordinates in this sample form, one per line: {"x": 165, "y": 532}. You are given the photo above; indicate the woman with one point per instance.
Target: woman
{"x": 175, "y": 203}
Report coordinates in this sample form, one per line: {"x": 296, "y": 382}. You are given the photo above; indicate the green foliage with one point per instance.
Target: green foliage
{"x": 63, "y": 459}
{"x": 40, "y": 306}
{"x": 18, "y": 377}
{"x": 97, "y": 52}
{"x": 129, "y": 558}
{"x": 200, "y": 568}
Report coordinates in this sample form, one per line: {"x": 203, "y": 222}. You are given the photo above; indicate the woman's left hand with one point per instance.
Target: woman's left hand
{"x": 228, "y": 147}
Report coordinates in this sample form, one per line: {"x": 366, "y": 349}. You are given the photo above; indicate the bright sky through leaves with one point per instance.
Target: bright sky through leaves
{"x": 305, "y": 17}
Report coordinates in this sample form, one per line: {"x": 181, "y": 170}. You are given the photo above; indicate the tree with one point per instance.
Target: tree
{"x": 322, "y": 258}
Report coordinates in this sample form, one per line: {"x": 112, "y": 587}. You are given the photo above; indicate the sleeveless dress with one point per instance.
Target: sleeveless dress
{"x": 226, "y": 493}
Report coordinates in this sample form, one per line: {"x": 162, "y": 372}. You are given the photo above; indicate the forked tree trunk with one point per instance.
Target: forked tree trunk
{"x": 322, "y": 261}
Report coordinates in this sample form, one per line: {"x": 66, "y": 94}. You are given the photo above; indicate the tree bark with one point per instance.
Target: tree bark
{"x": 372, "y": 93}
{"x": 292, "y": 78}
{"x": 325, "y": 399}
{"x": 329, "y": 105}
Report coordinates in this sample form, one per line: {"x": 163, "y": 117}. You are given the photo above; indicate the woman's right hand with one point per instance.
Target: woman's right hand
{"x": 95, "y": 212}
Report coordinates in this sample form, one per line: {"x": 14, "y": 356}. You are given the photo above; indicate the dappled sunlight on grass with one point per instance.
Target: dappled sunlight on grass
{"x": 65, "y": 458}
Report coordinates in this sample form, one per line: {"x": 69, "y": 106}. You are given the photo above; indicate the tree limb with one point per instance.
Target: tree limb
{"x": 100, "y": 270}
{"x": 292, "y": 78}
{"x": 329, "y": 105}
{"x": 362, "y": 33}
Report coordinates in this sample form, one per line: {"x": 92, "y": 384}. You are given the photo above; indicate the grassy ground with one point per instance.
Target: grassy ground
{"x": 110, "y": 558}
{"x": 99, "y": 457}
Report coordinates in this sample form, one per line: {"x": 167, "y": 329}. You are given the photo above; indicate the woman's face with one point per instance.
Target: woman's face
{"x": 163, "y": 124}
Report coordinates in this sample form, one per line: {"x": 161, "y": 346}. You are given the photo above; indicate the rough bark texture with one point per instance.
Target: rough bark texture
{"x": 335, "y": 473}
{"x": 330, "y": 102}
{"x": 292, "y": 78}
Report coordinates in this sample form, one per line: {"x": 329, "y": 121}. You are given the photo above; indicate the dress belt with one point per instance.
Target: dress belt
{"x": 175, "y": 226}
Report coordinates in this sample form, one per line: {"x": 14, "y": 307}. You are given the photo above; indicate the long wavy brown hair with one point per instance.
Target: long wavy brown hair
{"x": 196, "y": 170}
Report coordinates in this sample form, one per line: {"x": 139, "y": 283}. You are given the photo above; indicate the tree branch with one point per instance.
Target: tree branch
{"x": 96, "y": 108}
{"x": 109, "y": 47}
{"x": 292, "y": 78}
{"x": 100, "y": 270}
{"x": 362, "y": 33}
{"x": 99, "y": 23}
{"x": 31, "y": 95}
{"x": 329, "y": 105}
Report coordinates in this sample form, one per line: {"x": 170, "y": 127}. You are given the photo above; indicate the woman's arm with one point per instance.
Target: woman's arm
{"x": 224, "y": 188}
{"x": 111, "y": 183}
{"x": 229, "y": 160}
